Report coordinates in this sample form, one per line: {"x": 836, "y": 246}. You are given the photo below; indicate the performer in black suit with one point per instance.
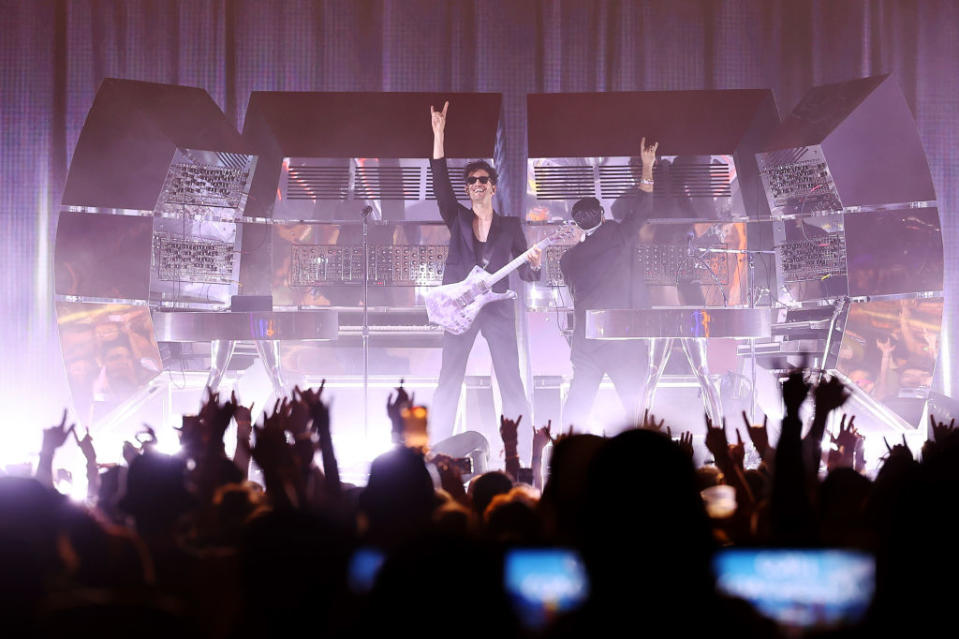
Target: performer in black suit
{"x": 478, "y": 236}
{"x": 597, "y": 271}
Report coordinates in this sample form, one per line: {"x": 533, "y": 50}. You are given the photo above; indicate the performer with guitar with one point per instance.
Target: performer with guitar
{"x": 597, "y": 271}
{"x": 479, "y": 236}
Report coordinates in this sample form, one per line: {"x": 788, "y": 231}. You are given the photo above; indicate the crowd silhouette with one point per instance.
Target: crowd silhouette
{"x": 187, "y": 544}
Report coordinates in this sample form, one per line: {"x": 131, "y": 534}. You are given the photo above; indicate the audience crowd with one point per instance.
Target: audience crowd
{"x": 188, "y": 546}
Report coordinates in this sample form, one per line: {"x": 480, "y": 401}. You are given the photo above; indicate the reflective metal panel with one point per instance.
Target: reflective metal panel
{"x": 259, "y": 325}
{"x": 206, "y": 183}
{"x": 797, "y": 181}
{"x": 109, "y": 351}
{"x": 615, "y": 324}
{"x": 104, "y": 256}
{"x": 894, "y": 251}
{"x": 889, "y": 347}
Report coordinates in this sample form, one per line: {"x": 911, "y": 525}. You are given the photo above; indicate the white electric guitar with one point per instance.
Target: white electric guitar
{"x": 455, "y": 306}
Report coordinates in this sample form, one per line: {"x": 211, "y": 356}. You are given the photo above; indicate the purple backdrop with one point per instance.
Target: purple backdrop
{"x": 53, "y": 55}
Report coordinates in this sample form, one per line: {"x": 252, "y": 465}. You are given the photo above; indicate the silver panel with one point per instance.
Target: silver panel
{"x": 797, "y": 181}
{"x": 297, "y": 284}
{"x": 196, "y": 241}
{"x": 110, "y": 354}
{"x": 810, "y": 258}
{"x": 103, "y": 256}
{"x": 889, "y": 347}
{"x": 206, "y": 183}
{"x": 617, "y": 324}
{"x": 194, "y": 262}
{"x": 261, "y": 325}
{"x": 894, "y": 251}
{"x": 337, "y": 189}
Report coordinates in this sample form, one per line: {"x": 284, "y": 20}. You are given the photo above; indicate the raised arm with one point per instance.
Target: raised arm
{"x": 438, "y": 119}
{"x": 638, "y": 210}
{"x": 445, "y": 197}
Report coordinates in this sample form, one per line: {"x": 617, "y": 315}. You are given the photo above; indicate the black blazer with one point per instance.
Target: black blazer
{"x": 504, "y": 242}
{"x": 597, "y": 270}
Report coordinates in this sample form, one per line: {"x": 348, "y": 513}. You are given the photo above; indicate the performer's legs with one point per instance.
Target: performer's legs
{"x": 587, "y": 376}
{"x": 695, "y": 350}
{"x": 456, "y": 352}
{"x": 497, "y": 322}
{"x": 659, "y": 350}
{"x": 628, "y": 366}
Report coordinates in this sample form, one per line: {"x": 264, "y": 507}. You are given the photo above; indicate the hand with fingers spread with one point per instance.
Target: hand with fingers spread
{"x": 848, "y": 437}
{"x": 649, "y": 422}
{"x": 686, "y": 443}
{"x": 830, "y": 394}
{"x": 848, "y": 444}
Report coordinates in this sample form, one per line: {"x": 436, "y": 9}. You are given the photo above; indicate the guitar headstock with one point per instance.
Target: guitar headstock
{"x": 565, "y": 232}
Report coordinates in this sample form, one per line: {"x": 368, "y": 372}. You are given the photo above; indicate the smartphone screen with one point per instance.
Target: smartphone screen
{"x": 364, "y": 566}
{"x": 800, "y": 588}
{"x": 543, "y": 583}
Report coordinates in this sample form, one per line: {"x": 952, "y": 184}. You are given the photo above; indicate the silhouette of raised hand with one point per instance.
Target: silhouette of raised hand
{"x": 541, "y": 437}
{"x": 758, "y": 435}
{"x": 716, "y": 441}
{"x": 830, "y": 394}
{"x": 795, "y": 391}
{"x": 940, "y": 431}
{"x": 508, "y": 431}
{"x": 55, "y": 436}
{"x": 649, "y": 422}
{"x": 395, "y": 407}
{"x": 737, "y": 451}
{"x": 686, "y": 443}
{"x": 899, "y": 450}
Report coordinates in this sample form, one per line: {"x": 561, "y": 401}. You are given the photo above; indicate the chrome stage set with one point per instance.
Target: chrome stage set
{"x": 189, "y": 254}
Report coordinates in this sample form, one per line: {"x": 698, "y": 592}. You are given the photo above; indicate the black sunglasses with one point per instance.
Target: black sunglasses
{"x": 483, "y": 179}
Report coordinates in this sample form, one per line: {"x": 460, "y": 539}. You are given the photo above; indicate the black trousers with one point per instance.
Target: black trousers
{"x": 497, "y": 323}
{"x": 627, "y": 364}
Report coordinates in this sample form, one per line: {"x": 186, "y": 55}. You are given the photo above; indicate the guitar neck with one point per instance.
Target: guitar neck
{"x": 518, "y": 261}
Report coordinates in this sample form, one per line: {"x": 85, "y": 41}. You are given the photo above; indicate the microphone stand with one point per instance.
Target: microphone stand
{"x": 366, "y": 319}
